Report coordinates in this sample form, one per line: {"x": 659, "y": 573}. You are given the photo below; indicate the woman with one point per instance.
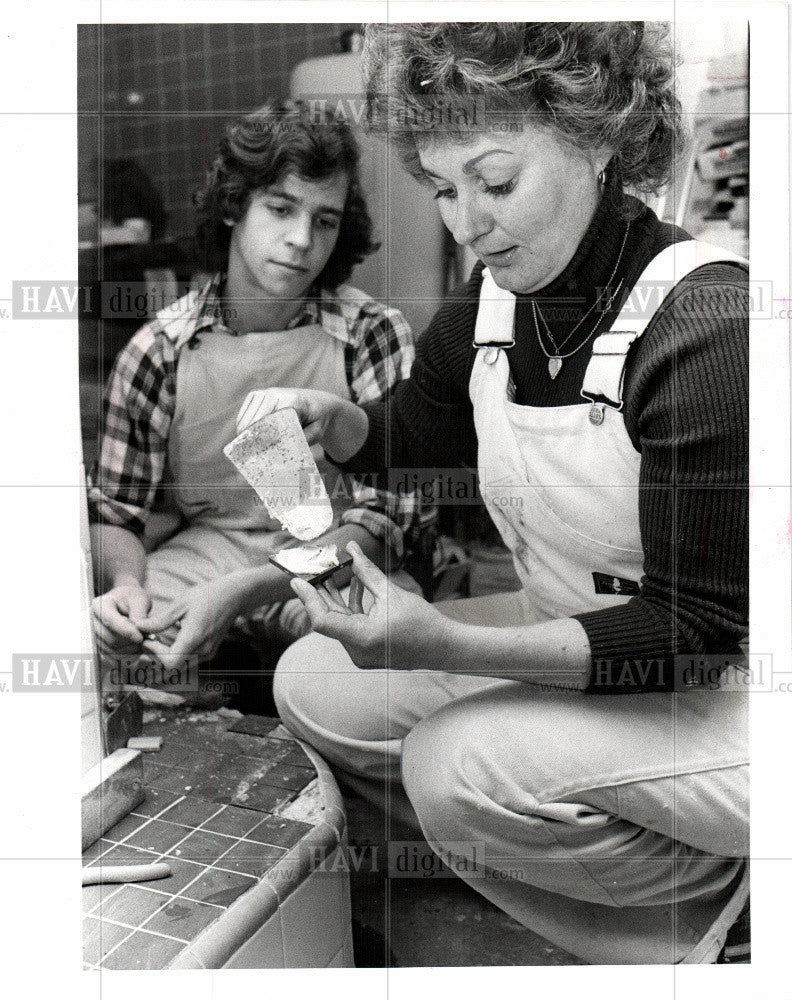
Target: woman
{"x": 611, "y": 443}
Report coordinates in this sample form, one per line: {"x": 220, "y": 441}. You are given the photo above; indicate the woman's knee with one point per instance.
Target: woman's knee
{"x": 300, "y": 682}
{"x": 440, "y": 765}
{"x": 318, "y": 690}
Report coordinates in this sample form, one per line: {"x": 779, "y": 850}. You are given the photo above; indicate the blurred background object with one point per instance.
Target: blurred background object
{"x": 709, "y": 196}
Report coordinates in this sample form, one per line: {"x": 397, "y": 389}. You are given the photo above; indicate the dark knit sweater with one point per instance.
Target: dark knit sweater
{"x": 685, "y": 410}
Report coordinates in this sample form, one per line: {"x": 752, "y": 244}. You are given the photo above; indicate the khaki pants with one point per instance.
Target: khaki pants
{"x": 616, "y": 827}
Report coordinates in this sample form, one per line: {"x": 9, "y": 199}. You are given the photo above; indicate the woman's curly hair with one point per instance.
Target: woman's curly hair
{"x": 595, "y": 83}
{"x": 259, "y": 150}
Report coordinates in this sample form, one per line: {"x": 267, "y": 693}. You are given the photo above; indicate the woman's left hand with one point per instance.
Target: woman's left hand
{"x": 400, "y": 631}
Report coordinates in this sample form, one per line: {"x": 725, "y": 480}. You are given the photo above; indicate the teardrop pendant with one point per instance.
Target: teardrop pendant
{"x": 554, "y": 366}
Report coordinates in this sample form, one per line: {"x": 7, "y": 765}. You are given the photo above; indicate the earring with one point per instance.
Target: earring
{"x": 602, "y": 177}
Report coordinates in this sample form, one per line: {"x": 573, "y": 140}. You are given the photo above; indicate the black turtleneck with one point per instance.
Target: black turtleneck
{"x": 686, "y": 411}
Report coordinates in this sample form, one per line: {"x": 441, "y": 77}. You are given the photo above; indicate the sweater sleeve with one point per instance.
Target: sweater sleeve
{"x": 427, "y": 422}
{"x": 686, "y": 409}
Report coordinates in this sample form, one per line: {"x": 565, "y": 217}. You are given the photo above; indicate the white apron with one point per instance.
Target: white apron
{"x": 561, "y": 483}
{"x": 227, "y": 527}
{"x": 212, "y": 381}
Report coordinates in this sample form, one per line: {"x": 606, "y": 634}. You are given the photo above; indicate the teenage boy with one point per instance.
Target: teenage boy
{"x": 283, "y": 221}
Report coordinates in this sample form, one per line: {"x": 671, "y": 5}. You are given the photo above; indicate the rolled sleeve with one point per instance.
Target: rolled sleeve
{"x": 138, "y": 406}
{"x": 388, "y": 517}
{"x": 383, "y": 356}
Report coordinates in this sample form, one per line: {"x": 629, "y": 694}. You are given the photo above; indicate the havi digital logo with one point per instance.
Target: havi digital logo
{"x": 52, "y": 672}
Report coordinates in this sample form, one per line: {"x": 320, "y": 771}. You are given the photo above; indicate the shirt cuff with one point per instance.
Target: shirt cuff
{"x": 632, "y": 649}
{"x": 103, "y": 510}
{"x": 380, "y": 526}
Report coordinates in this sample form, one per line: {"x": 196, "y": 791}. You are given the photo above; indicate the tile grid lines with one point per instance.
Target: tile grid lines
{"x": 95, "y": 911}
{"x": 164, "y": 856}
{"x": 161, "y": 815}
{"x": 143, "y": 927}
{"x": 101, "y": 903}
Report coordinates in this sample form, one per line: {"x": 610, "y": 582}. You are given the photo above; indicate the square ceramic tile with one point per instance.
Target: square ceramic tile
{"x": 173, "y": 755}
{"x": 143, "y": 951}
{"x": 315, "y": 920}
{"x": 182, "y": 873}
{"x": 251, "y": 746}
{"x": 94, "y": 894}
{"x": 124, "y": 827}
{"x": 236, "y": 768}
{"x": 263, "y": 951}
{"x": 233, "y": 821}
{"x": 255, "y": 725}
{"x": 290, "y": 776}
{"x": 183, "y": 918}
{"x": 99, "y": 937}
{"x": 125, "y": 854}
{"x": 279, "y": 831}
{"x": 219, "y": 790}
{"x": 158, "y": 836}
{"x": 171, "y": 779}
{"x": 96, "y": 849}
{"x": 156, "y": 800}
{"x": 152, "y": 770}
{"x": 190, "y": 811}
{"x": 296, "y": 755}
{"x": 131, "y": 905}
{"x": 218, "y": 887}
{"x": 251, "y": 858}
{"x": 202, "y": 847}
{"x": 269, "y": 753}
{"x": 262, "y": 797}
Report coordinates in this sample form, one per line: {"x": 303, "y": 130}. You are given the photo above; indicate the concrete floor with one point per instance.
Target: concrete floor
{"x": 428, "y": 922}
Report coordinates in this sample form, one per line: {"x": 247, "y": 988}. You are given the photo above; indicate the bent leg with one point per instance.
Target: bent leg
{"x": 357, "y": 718}
{"x": 615, "y": 827}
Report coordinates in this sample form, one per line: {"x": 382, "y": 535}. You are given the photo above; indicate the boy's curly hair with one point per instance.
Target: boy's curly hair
{"x": 594, "y": 83}
{"x": 261, "y": 148}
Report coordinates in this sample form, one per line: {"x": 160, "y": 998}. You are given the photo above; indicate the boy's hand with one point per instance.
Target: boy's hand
{"x": 117, "y": 616}
{"x": 196, "y": 624}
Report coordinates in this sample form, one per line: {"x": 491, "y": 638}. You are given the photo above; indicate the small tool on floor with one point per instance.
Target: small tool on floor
{"x": 99, "y": 874}
{"x": 148, "y": 744}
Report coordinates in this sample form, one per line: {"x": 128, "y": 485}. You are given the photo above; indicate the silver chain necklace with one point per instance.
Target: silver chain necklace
{"x": 556, "y": 359}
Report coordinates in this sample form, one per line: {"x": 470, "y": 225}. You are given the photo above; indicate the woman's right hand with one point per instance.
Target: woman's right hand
{"x": 337, "y": 424}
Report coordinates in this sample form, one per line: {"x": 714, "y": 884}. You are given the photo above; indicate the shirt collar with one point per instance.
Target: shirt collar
{"x": 337, "y": 312}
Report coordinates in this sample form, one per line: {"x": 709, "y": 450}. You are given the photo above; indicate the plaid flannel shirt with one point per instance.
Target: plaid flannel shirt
{"x": 140, "y": 400}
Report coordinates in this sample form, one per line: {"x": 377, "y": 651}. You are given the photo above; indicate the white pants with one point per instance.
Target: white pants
{"x": 614, "y": 826}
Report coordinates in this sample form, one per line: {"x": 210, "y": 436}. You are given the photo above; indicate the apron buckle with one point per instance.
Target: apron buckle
{"x": 597, "y": 413}
{"x": 491, "y": 349}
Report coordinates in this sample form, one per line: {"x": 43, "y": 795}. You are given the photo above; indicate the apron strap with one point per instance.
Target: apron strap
{"x": 495, "y": 321}
{"x": 604, "y": 378}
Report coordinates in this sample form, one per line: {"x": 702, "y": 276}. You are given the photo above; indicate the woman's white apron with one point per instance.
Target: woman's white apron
{"x": 561, "y": 483}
